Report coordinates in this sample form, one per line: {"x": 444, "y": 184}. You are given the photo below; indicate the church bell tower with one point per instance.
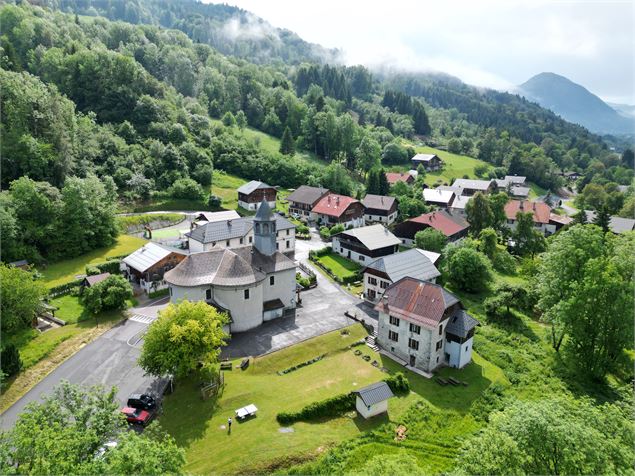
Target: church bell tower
{"x": 265, "y": 230}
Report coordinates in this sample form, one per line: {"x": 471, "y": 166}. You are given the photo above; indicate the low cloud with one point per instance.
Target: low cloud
{"x": 248, "y": 27}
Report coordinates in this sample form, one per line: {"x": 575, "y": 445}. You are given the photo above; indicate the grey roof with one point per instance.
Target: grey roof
{"x": 227, "y": 267}
{"x": 378, "y": 202}
{"x": 436, "y": 195}
{"x": 374, "y": 393}
{"x": 520, "y": 191}
{"x": 459, "y": 202}
{"x": 307, "y": 195}
{"x": 148, "y": 255}
{"x": 96, "y": 278}
{"x": 249, "y": 187}
{"x": 413, "y": 263}
{"x": 510, "y": 179}
{"x": 228, "y": 229}
{"x": 373, "y": 237}
{"x": 472, "y": 184}
{"x": 264, "y": 211}
{"x": 616, "y": 224}
{"x": 17, "y": 264}
{"x": 217, "y": 216}
{"x": 424, "y": 157}
{"x": 461, "y": 323}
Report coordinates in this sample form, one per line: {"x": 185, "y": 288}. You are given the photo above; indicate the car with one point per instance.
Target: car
{"x": 142, "y": 400}
{"x": 136, "y": 416}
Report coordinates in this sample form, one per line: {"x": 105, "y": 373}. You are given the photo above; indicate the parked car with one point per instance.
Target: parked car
{"x": 142, "y": 400}
{"x": 136, "y": 416}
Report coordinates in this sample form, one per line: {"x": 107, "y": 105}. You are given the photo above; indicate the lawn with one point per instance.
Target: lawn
{"x": 536, "y": 191}
{"x": 196, "y": 424}
{"x": 339, "y": 266}
{"x": 65, "y": 271}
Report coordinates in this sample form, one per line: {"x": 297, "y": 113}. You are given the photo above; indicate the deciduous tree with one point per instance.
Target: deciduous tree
{"x": 20, "y": 297}
{"x": 430, "y": 239}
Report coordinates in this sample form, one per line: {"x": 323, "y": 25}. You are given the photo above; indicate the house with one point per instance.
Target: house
{"x": 541, "y": 213}
{"x": 253, "y": 284}
{"x": 616, "y": 224}
{"x": 394, "y": 177}
{"x": 90, "y": 281}
{"x": 429, "y": 161}
{"x": 440, "y": 198}
{"x": 334, "y": 209}
{"x": 513, "y": 185}
{"x": 373, "y": 399}
{"x": 146, "y": 267}
{"x": 571, "y": 176}
{"x": 457, "y": 207}
{"x": 452, "y": 225}
{"x": 253, "y": 193}
{"x": 469, "y": 187}
{"x": 559, "y": 220}
{"x": 238, "y": 232}
{"x": 304, "y": 198}
{"x": 364, "y": 244}
{"x": 424, "y": 325}
{"x": 379, "y": 209}
{"x": 201, "y": 218}
{"x": 384, "y": 271}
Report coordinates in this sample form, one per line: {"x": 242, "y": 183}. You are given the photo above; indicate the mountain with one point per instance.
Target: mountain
{"x": 627, "y": 110}
{"x": 575, "y": 103}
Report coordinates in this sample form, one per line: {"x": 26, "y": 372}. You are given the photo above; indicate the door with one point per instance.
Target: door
{"x": 412, "y": 361}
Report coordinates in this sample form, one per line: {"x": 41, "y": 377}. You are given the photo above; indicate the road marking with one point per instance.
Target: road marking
{"x": 141, "y": 319}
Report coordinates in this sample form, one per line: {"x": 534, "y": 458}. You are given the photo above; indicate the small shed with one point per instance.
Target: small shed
{"x": 90, "y": 281}
{"x": 373, "y": 399}
{"x": 21, "y": 264}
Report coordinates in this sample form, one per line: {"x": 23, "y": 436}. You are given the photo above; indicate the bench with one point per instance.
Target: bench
{"x": 244, "y": 364}
{"x": 441, "y": 381}
{"x": 245, "y": 412}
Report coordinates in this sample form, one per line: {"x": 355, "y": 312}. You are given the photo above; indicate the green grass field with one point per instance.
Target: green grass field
{"x": 340, "y": 266}
{"x": 65, "y": 271}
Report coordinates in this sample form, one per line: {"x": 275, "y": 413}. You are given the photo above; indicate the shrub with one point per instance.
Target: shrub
{"x": 321, "y": 252}
{"x": 186, "y": 188}
{"x": 10, "y": 360}
{"x": 336, "y": 229}
{"x": 214, "y": 201}
{"x": 302, "y": 229}
{"x": 494, "y": 306}
{"x": 64, "y": 289}
{"x": 331, "y": 407}
{"x": 398, "y": 383}
{"x": 111, "y": 266}
{"x": 325, "y": 233}
{"x": 92, "y": 270}
{"x": 111, "y": 293}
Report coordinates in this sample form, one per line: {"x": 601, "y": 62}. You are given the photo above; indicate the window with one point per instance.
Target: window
{"x": 362, "y": 258}
{"x": 272, "y": 280}
{"x": 170, "y": 288}
{"x": 439, "y": 344}
{"x": 277, "y": 245}
{"x": 288, "y": 244}
{"x": 246, "y": 293}
{"x": 241, "y": 241}
{"x": 251, "y": 239}
{"x": 288, "y": 231}
{"x": 394, "y": 321}
{"x": 393, "y": 336}
{"x": 413, "y": 344}
{"x": 227, "y": 243}
{"x": 372, "y": 294}
{"x": 441, "y": 329}
{"x": 467, "y": 347}
{"x": 384, "y": 284}
{"x": 208, "y": 294}
{"x": 415, "y": 329}
{"x": 372, "y": 280}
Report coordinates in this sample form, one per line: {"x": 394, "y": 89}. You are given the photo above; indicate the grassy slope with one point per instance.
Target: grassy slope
{"x": 65, "y": 271}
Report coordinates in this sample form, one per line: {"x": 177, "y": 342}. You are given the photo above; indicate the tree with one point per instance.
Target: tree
{"x": 187, "y": 189}
{"x": 454, "y": 146}
{"x": 228, "y": 119}
{"x": 430, "y": 239}
{"x": 287, "y": 144}
{"x": 10, "y": 361}
{"x": 580, "y": 218}
{"x": 497, "y": 202}
{"x": 479, "y": 213}
{"x": 81, "y": 421}
{"x": 529, "y": 241}
{"x": 111, "y": 293}
{"x": 602, "y": 219}
{"x": 384, "y": 186}
{"x": 394, "y": 153}
{"x": 410, "y": 207}
{"x": 184, "y": 336}
{"x": 488, "y": 242}
{"x": 20, "y": 298}
{"x": 368, "y": 153}
{"x": 468, "y": 269}
{"x": 551, "y": 436}
{"x": 241, "y": 120}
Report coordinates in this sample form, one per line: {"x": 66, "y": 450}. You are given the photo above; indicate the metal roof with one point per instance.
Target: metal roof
{"x": 461, "y": 323}
{"x": 147, "y": 256}
{"x": 616, "y": 224}
{"x": 424, "y": 157}
{"x": 307, "y": 195}
{"x": 218, "y": 216}
{"x": 413, "y": 263}
{"x": 459, "y": 202}
{"x": 228, "y": 229}
{"x": 437, "y": 195}
{"x": 374, "y": 393}
{"x": 373, "y": 237}
{"x": 472, "y": 184}
{"x": 250, "y": 187}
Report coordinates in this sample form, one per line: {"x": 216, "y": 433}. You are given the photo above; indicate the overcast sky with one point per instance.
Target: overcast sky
{"x": 494, "y": 43}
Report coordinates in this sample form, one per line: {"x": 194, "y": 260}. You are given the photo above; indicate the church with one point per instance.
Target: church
{"x": 253, "y": 284}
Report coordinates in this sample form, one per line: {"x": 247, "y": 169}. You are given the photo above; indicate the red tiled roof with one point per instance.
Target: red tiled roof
{"x": 333, "y": 205}
{"x": 540, "y": 210}
{"x": 440, "y": 221}
{"x": 394, "y": 177}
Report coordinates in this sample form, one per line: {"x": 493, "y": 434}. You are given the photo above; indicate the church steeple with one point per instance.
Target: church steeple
{"x": 265, "y": 230}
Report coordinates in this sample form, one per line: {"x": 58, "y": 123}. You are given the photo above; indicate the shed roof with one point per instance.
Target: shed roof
{"x": 148, "y": 255}
{"x": 379, "y": 202}
{"x": 424, "y": 157}
{"x": 307, "y": 195}
{"x": 250, "y": 187}
{"x": 374, "y": 393}
{"x": 414, "y": 263}
{"x": 372, "y": 237}
{"x": 96, "y": 278}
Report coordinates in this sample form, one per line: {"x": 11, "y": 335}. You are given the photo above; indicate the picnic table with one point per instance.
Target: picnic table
{"x": 244, "y": 412}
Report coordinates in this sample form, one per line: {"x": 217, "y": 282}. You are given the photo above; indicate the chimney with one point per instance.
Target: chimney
{"x": 328, "y": 199}
{"x": 522, "y": 205}
{"x": 337, "y": 201}
{"x": 534, "y": 205}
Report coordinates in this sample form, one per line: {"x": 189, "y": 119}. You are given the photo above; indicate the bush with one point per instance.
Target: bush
{"x": 331, "y": 407}
{"x": 10, "y": 360}
{"x": 92, "y": 270}
{"x": 325, "y": 233}
{"x": 111, "y": 293}
{"x": 494, "y": 306}
{"x": 64, "y": 289}
{"x": 468, "y": 269}
{"x": 314, "y": 254}
{"x": 398, "y": 383}
{"x": 111, "y": 266}
{"x": 214, "y": 201}
{"x": 504, "y": 262}
{"x": 186, "y": 188}
{"x": 302, "y": 229}
{"x": 159, "y": 293}
{"x": 336, "y": 229}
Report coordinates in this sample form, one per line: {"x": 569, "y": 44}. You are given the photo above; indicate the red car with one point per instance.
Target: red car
{"x": 136, "y": 415}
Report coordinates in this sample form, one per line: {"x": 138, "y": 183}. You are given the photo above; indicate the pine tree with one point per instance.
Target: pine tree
{"x": 373, "y": 182}
{"x": 287, "y": 144}
{"x": 602, "y": 219}
{"x": 384, "y": 186}
{"x": 580, "y": 218}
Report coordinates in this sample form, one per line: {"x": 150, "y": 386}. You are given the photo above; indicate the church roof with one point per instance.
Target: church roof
{"x": 264, "y": 211}
{"x": 228, "y": 229}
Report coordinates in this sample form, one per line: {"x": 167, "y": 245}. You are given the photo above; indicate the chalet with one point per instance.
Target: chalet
{"x": 540, "y": 211}
{"x": 616, "y": 224}
{"x": 90, "y": 281}
{"x": 384, "y": 271}
{"x": 379, "y": 209}
{"x": 239, "y": 232}
{"x": 429, "y": 161}
{"x": 365, "y": 244}
{"x": 253, "y": 284}
{"x": 437, "y": 197}
{"x": 334, "y": 209}
{"x": 469, "y": 187}
{"x": 253, "y": 193}
{"x": 425, "y": 326}
{"x": 147, "y": 266}
{"x": 452, "y": 225}
{"x": 304, "y": 198}
{"x": 394, "y": 177}
{"x": 457, "y": 207}
{"x": 513, "y": 185}
{"x": 373, "y": 399}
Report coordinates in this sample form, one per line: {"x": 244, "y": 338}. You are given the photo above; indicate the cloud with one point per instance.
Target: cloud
{"x": 249, "y": 27}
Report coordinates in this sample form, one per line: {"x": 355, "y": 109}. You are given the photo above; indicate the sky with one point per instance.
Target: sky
{"x": 492, "y": 43}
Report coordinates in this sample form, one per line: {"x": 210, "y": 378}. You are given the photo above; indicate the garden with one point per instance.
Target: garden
{"x": 338, "y": 268}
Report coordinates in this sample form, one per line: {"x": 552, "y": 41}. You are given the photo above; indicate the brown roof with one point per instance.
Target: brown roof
{"x": 96, "y": 278}
{"x": 417, "y": 301}
{"x": 560, "y": 219}
{"x": 379, "y": 202}
{"x": 539, "y": 210}
{"x": 333, "y": 205}
{"x": 394, "y": 177}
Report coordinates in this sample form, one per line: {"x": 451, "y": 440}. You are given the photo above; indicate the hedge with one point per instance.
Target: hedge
{"x": 111, "y": 266}
{"x": 321, "y": 252}
{"x": 302, "y": 364}
{"x": 398, "y": 383}
{"x": 159, "y": 293}
{"x": 331, "y": 407}
{"x": 64, "y": 289}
